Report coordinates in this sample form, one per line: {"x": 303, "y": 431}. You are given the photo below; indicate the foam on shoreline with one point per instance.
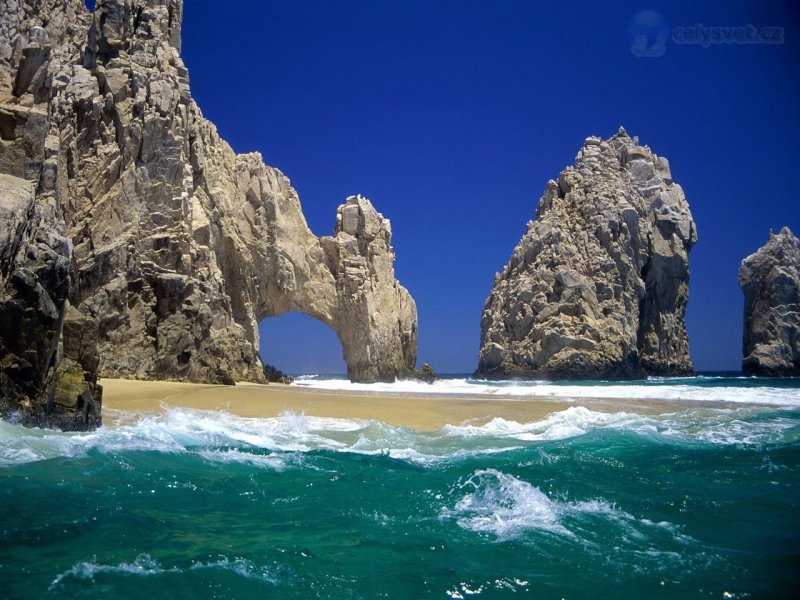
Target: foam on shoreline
{"x": 278, "y": 443}
{"x": 698, "y": 389}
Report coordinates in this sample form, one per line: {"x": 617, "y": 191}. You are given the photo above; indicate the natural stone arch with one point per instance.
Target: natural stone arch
{"x": 180, "y": 245}
{"x": 345, "y": 281}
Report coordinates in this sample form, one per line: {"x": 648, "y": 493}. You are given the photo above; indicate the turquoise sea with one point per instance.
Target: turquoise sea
{"x": 700, "y": 503}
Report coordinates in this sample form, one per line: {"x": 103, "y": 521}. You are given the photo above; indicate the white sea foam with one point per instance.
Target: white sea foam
{"x": 279, "y": 443}
{"x": 241, "y": 567}
{"x": 692, "y": 389}
{"x": 504, "y": 505}
{"x": 145, "y": 565}
{"x": 574, "y": 421}
{"x": 728, "y": 427}
{"x": 466, "y": 590}
{"x": 715, "y": 426}
{"x": 231, "y": 455}
{"x": 142, "y": 565}
{"x": 496, "y": 503}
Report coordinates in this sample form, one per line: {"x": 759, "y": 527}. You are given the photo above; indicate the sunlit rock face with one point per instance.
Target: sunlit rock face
{"x": 179, "y": 245}
{"x": 770, "y": 280}
{"x": 597, "y": 287}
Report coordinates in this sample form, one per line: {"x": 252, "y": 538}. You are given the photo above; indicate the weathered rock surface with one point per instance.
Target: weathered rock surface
{"x": 598, "y": 285}
{"x": 48, "y": 350}
{"x": 181, "y": 246}
{"x": 770, "y": 280}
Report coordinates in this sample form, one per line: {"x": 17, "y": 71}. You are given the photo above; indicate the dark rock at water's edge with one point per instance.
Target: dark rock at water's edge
{"x": 770, "y": 280}
{"x": 597, "y": 287}
{"x": 425, "y": 374}
{"x": 179, "y": 245}
{"x": 274, "y": 375}
{"x": 48, "y": 349}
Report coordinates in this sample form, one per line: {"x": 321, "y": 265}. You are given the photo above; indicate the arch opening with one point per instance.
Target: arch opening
{"x": 298, "y": 344}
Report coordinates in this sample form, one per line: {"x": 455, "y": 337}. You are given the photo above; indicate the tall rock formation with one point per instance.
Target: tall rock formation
{"x": 179, "y": 245}
{"x": 770, "y": 280}
{"x": 598, "y": 285}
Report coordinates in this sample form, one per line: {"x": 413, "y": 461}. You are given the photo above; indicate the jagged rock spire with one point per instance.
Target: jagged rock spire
{"x": 598, "y": 285}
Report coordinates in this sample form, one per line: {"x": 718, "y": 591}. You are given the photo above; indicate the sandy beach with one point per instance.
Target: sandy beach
{"x": 123, "y": 399}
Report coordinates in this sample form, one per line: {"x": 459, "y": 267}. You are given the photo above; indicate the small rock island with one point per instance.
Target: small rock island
{"x": 770, "y": 280}
{"x": 597, "y": 287}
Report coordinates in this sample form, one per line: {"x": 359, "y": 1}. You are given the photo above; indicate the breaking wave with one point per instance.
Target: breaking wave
{"x": 280, "y": 442}
{"x": 496, "y": 503}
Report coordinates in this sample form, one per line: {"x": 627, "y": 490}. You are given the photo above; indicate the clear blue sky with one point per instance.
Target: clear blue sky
{"x": 452, "y": 115}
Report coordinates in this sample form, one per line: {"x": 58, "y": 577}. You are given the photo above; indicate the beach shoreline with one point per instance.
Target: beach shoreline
{"x": 126, "y": 399}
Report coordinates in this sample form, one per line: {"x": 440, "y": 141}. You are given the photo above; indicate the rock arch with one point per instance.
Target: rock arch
{"x": 180, "y": 245}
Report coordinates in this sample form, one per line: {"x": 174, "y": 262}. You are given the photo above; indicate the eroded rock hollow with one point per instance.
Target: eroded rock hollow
{"x": 770, "y": 280}
{"x": 598, "y": 285}
{"x": 178, "y": 246}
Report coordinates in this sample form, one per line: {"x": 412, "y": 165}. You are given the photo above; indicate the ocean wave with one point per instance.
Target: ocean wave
{"x": 178, "y": 431}
{"x": 713, "y": 426}
{"x": 505, "y": 506}
{"x": 697, "y": 389}
{"x": 279, "y": 443}
{"x": 232, "y": 455}
{"x": 496, "y": 503}
{"x": 571, "y": 422}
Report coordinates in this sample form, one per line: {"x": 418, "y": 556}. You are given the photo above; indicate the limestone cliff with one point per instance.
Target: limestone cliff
{"x": 180, "y": 246}
{"x": 598, "y": 285}
{"x": 770, "y": 280}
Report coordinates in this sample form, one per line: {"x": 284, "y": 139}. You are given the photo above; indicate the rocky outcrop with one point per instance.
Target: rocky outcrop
{"x": 426, "y": 374}
{"x": 274, "y": 375}
{"x": 48, "y": 350}
{"x": 770, "y": 280}
{"x": 598, "y": 285}
{"x": 180, "y": 246}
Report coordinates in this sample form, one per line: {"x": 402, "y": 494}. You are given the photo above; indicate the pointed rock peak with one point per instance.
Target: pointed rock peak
{"x": 359, "y": 218}
{"x": 357, "y": 199}
{"x": 592, "y": 140}
{"x": 611, "y": 232}
{"x": 784, "y": 237}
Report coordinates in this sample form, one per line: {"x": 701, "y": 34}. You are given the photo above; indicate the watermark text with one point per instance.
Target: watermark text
{"x": 649, "y": 33}
{"x": 743, "y": 34}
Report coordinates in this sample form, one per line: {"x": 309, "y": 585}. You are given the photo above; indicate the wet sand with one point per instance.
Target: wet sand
{"x": 126, "y": 399}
